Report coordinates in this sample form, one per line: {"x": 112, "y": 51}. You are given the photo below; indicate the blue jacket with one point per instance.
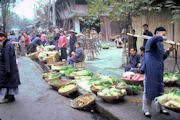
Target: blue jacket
{"x": 154, "y": 67}
{"x": 36, "y": 41}
{"x": 72, "y": 41}
{"x": 9, "y": 74}
{"x": 79, "y": 55}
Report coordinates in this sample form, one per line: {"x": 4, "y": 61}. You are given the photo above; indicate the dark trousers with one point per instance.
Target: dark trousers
{"x": 71, "y": 49}
{"x": 63, "y": 54}
{"x": 27, "y": 48}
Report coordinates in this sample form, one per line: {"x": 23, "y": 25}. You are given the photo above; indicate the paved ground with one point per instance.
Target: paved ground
{"x": 37, "y": 101}
{"x": 126, "y": 110}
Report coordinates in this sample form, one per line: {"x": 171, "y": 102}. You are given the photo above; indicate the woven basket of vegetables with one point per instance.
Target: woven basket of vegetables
{"x": 45, "y": 75}
{"x": 83, "y": 101}
{"x": 111, "y": 94}
{"x": 56, "y": 76}
{"x": 171, "y": 100}
{"x": 33, "y": 56}
{"x": 56, "y": 84}
{"x": 68, "y": 89}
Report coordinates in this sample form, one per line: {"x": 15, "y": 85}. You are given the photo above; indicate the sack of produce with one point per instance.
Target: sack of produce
{"x": 171, "y": 100}
{"x": 33, "y": 56}
{"x": 68, "y": 89}
{"x": 83, "y": 101}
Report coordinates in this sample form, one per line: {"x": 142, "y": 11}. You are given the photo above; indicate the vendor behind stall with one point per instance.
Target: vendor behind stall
{"x": 140, "y": 65}
{"x": 34, "y": 44}
{"x": 77, "y": 56}
{"x": 133, "y": 60}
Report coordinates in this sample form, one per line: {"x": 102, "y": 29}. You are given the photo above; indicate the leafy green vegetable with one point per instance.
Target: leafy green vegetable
{"x": 66, "y": 67}
{"x": 55, "y": 75}
{"x": 133, "y": 90}
{"x": 69, "y": 71}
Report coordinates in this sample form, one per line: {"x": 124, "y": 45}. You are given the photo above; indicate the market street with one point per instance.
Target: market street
{"x": 36, "y": 100}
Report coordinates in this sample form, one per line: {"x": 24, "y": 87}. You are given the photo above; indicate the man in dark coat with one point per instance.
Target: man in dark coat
{"x": 147, "y": 33}
{"x": 72, "y": 42}
{"x": 9, "y": 74}
{"x": 154, "y": 69}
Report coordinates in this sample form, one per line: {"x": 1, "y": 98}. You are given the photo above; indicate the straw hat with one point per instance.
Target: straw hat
{"x": 80, "y": 34}
{"x": 72, "y": 31}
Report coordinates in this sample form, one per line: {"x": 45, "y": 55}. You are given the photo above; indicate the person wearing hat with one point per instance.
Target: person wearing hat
{"x": 62, "y": 45}
{"x": 9, "y": 74}
{"x": 72, "y": 42}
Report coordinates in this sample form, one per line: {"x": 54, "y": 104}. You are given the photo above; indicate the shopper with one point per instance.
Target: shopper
{"x": 27, "y": 42}
{"x": 72, "y": 42}
{"x": 154, "y": 69}
{"x": 9, "y": 75}
{"x": 62, "y": 45}
{"x": 22, "y": 44}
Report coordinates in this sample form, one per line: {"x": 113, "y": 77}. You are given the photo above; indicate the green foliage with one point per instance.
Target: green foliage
{"x": 120, "y": 10}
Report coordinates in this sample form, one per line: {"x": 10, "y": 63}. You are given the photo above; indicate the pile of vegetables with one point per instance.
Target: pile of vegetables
{"x": 132, "y": 76}
{"x": 66, "y": 67}
{"x": 69, "y": 71}
{"x": 82, "y": 73}
{"x": 67, "y": 88}
{"x": 170, "y": 99}
{"x": 170, "y": 77}
{"x": 85, "y": 100}
{"x": 133, "y": 89}
{"x": 58, "y": 74}
{"x": 112, "y": 92}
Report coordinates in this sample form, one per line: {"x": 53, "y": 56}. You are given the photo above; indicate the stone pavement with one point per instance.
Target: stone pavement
{"x": 108, "y": 64}
{"x": 36, "y": 100}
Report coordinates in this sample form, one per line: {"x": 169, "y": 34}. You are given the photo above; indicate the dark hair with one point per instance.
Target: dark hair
{"x": 142, "y": 49}
{"x": 62, "y": 31}
{"x": 133, "y": 30}
{"x": 37, "y": 35}
{"x": 134, "y": 49}
{"x": 3, "y": 34}
{"x": 78, "y": 44}
{"x": 146, "y": 25}
{"x": 160, "y": 29}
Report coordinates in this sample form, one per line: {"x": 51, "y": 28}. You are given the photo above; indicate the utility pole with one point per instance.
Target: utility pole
{"x": 54, "y": 14}
{"x": 49, "y": 14}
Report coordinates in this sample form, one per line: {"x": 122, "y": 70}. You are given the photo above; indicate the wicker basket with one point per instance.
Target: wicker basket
{"x": 33, "y": 56}
{"x": 111, "y": 98}
{"x": 56, "y": 78}
{"x": 93, "y": 90}
{"x": 68, "y": 93}
{"x": 172, "y": 108}
{"x": 45, "y": 75}
{"x": 134, "y": 82}
{"x": 120, "y": 87}
{"x": 76, "y": 106}
{"x": 57, "y": 86}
